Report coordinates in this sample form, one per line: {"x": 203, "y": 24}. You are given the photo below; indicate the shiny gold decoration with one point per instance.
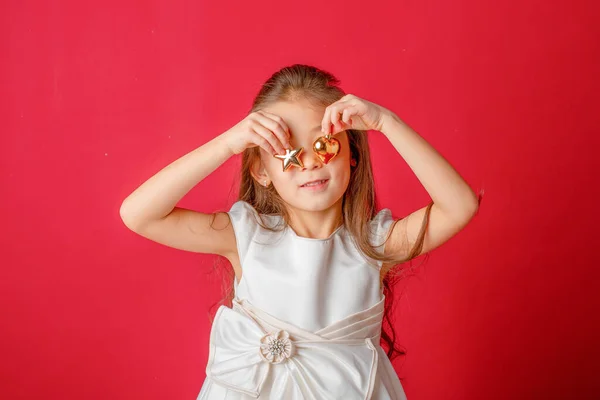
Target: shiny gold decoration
{"x": 326, "y": 148}
{"x": 290, "y": 158}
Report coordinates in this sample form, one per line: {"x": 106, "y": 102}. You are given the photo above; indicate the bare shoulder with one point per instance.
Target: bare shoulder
{"x": 210, "y": 233}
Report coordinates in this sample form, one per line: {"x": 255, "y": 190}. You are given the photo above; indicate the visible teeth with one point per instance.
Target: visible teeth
{"x": 315, "y": 183}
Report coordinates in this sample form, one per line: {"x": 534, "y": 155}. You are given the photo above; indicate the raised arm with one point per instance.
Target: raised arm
{"x": 150, "y": 210}
{"x": 454, "y": 202}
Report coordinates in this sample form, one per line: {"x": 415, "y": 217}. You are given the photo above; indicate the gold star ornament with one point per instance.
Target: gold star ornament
{"x": 290, "y": 158}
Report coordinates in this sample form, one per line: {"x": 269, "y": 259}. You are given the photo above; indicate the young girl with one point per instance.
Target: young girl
{"x": 311, "y": 254}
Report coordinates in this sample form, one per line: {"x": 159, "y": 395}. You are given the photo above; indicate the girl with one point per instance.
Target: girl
{"x": 312, "y": 256}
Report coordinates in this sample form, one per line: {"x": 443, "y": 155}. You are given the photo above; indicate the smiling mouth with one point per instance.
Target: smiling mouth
{"x": 315, "y": 183}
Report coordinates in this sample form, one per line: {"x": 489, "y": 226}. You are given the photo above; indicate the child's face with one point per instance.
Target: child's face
{"x": 304, "y": 121}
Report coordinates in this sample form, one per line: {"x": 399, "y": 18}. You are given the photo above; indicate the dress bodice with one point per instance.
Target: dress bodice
{"x": 310, "y": 283}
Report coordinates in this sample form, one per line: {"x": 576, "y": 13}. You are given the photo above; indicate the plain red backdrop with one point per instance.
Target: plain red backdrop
{"x": 97, "y": 97}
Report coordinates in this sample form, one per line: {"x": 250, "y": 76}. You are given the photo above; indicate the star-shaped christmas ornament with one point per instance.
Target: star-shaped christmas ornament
{"x": 290, "y": 158}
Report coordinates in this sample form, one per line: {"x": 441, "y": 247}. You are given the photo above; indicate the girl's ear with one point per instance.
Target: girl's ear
{"x": 258, "y": 172}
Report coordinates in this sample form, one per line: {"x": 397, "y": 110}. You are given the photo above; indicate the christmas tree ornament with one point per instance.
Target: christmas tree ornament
{"x": 326, "y": 148}
{"x": 290, "y": 158}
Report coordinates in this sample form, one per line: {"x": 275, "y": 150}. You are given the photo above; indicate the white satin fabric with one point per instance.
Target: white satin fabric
{"x": 324, "y": 295}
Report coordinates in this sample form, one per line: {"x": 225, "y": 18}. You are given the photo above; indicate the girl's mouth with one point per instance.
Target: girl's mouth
{"x": 315, "y": 185}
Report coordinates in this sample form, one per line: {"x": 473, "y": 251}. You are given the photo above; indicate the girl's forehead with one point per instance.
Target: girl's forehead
{"x": 300, "y": 116}
{"x": 309, "y": 132}
{"x": 304, "y": 119}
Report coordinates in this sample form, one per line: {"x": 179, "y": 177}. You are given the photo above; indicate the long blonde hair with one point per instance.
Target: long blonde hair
{"x": 359, "y": 203}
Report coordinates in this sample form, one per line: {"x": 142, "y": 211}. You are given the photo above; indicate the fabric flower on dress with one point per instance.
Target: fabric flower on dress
{"x": 276, "y": 347}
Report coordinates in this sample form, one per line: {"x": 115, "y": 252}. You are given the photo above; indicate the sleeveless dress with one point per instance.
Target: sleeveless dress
{"x": 305, "y": 321}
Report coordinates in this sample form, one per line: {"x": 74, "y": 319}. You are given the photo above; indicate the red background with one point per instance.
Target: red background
{"x": 97, "y": 97}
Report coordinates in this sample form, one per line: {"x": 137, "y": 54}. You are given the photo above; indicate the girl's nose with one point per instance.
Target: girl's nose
{"x": 310, "y": 159}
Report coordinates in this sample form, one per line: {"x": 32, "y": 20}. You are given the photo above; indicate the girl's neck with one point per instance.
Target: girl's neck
{"x": 316, "y": 224}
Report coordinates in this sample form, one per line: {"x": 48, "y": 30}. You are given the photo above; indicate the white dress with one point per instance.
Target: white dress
{"x": 305, "y": 321}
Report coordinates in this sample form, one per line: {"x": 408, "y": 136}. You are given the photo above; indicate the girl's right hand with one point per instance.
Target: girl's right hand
{"x": 259, "y": 128}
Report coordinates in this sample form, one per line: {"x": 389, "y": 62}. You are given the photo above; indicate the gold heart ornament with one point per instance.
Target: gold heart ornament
{"x": 326, "y": 148}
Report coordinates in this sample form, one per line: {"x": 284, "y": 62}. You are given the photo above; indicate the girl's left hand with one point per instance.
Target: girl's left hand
{"x": 351, "y": 112}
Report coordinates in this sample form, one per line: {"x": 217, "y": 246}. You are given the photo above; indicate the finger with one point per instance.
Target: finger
{"x": 273, "y": 145}
{"x": 336, "y": 110}
{"x": 263, "y": 144}
{"x": 278, "y": 119}
{"x": 326, "y": 122}
{"x": 277, "y": 125}
{"x": 347, "y": 113}
{"x": 327, "y": 117}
